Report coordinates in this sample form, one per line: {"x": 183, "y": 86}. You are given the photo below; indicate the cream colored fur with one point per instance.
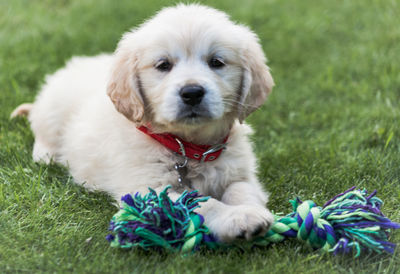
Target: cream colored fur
{"x": 76, "y": 124}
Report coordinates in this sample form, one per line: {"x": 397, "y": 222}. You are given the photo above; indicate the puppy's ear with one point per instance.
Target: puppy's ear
{"x": 123, "y": 87}
{"x": 257, "y": 81}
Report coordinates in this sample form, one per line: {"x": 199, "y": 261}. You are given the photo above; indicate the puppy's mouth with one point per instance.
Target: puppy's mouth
{"x": 193, "y": 115}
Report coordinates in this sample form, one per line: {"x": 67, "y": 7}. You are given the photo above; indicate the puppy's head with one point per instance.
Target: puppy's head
{"x": 189, "y": 67}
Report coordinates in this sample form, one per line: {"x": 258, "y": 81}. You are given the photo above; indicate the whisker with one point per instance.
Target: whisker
{"x": 233, "y": 102}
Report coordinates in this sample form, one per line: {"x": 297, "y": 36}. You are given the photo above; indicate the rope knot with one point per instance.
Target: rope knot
{"x": 312, "y": 228}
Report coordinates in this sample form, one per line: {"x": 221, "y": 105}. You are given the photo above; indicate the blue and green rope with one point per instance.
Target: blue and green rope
{"x": 351, "y": 221}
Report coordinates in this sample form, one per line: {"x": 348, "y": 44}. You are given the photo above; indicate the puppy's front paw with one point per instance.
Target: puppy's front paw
{"x": 241, "y": 222}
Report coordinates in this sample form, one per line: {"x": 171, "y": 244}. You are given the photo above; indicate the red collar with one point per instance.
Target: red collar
{"x": 192, "y": 151}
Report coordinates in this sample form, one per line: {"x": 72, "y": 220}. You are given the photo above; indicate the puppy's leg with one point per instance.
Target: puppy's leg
{"x": 241, "y": 213}
{"x": 42, "y": 152}
{"x": 241, "y": 193}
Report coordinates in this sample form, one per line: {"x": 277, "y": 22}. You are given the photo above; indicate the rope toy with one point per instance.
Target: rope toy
{"x": 351, "y": 221}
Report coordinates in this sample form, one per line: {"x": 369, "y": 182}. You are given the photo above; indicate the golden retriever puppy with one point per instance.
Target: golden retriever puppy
{"x": 179, "y": 87}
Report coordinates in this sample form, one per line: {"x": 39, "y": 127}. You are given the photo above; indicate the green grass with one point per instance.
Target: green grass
{"x": 331, "y": 122}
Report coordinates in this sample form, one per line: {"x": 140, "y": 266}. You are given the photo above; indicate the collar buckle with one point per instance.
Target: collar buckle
{"x": 183, "y": 151}
{"x": 212, "y": 149}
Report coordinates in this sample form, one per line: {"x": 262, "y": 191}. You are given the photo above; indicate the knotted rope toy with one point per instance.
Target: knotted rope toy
{"x": 350, "y": 221}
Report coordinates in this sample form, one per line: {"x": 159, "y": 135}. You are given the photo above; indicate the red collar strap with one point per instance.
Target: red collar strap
{"x": 197, "y": 152}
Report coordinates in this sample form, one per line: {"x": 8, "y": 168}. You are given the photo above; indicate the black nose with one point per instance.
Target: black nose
{"x": 192, "y": 94}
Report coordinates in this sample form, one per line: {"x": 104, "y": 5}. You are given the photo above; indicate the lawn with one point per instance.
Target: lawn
{"x": 331, "y": 122}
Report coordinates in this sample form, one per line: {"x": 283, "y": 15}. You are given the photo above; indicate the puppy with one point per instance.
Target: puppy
{"x": 179, "y": 88}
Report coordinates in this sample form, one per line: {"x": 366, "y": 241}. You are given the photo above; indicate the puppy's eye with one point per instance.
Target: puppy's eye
{"x": 216, "y": 63}
{"x": 163, "y": 65}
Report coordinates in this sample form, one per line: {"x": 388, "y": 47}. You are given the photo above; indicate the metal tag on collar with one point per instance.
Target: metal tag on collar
{"x": 213, "y": 149}
{"x": 182, "y": 169}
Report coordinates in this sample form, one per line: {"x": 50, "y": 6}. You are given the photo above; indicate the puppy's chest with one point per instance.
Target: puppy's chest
{"x": 209, "y": 178}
